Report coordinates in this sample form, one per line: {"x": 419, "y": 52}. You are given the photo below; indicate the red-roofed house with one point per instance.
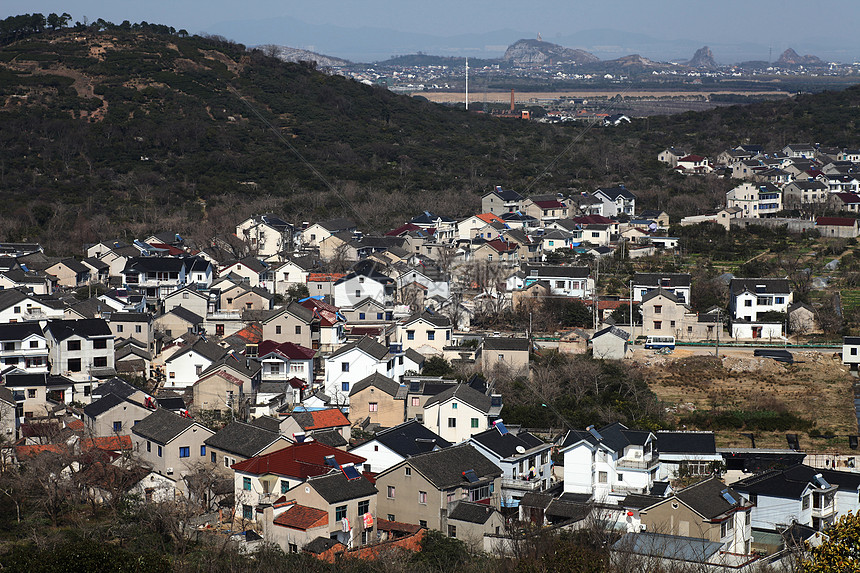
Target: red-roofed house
{"x": 322, "y": 284}
{"x": 108, "y": 444}
{"x": 331, "y": 323}
{"x": 546, "y": 208}
{"x": 292, "y": 526}
{"x": 844, "y": 202}
{"x": 284, "y": 360}
{"x": 316, "y": 421}
{"x": 495, "y": 251}
{"x": 402, "y": 230}
{"x": 411, "y": 542}
{"x": 264, "y": 479}
{"x": 845, "y": 227}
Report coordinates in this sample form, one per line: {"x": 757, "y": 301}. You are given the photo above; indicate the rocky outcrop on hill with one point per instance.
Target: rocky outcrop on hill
{"x": 792, "y": 58}
{"x": 288, "y": 54}
{"x": 536, "y": 52}
{"x": 703, "y": 59}
{"x": 635, "y": 60}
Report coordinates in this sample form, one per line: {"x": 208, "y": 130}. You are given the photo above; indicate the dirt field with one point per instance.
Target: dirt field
{"x": 528, "y": 97}
{"x": 817, "y": 388}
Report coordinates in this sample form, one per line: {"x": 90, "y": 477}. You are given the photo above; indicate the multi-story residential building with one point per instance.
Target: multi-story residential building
{"x": 266, "y": 235}
{"x": 293, "y": 323}
{"x": 353, "y": 362}
{"x": 362, "y": 283}
{"x": 758, "y": 200}
{"x": 80, "y": 349}
{"x": 616, "y": 201}
{"x": 499, "y": 201}
{"x": 238, "y": 441}
{"x": 678, "y": 284}
{"x": 156, "y": 277}
{"x": 687, "y": 453}
{"x": 752, "y": 297}
{"x": 609, "y": 463}
{"x": 523, "y": 458}
{"x": 172, "y": 445}
{"x": 114, "y": 415}
{"x": 425, "y": 332}
{"x": 423, "y": 489}
{"x": 24, "y": 347}
{"x": 574, "y": 282}
{"x": 460, "y": 412}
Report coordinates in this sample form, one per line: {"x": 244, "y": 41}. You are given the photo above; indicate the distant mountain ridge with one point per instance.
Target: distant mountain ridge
{"x": 531, "y": 52}
{"x": 703, "y": 59}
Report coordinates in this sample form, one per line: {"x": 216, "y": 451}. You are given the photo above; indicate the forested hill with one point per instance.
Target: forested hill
{"x": 114, "y": 129}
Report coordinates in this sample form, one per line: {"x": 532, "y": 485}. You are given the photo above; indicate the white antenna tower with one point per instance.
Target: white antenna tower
{"x": 467, "y": 84}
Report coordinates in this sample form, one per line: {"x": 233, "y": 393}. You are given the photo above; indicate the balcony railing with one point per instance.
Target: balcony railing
{"x": 521, "y": 484}
{"x": 646, "y": 464}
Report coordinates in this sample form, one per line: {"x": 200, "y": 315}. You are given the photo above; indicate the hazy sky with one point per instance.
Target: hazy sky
{"x": 801, "y": 24}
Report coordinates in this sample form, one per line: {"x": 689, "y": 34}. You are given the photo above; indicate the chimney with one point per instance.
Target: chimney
{"x": 512, "y": 101}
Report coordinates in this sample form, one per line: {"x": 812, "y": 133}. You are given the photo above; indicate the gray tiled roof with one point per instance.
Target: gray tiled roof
{"x": 242, "y": 439}
{"x": 162, "y": 426}
{"x": 464, "y": 393}
{"x": 471, "y": 512}
{"x": 376, "y": 380}
{"x": 334, "y": 487}
{"x": 366, "y": 344}
{"x": 444, "y": 468}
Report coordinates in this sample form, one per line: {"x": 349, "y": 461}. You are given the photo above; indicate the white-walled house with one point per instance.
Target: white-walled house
{"x": 186, "y": 365}
{"x": 23, "y": 346}
{"x": 569, "y": 281}
{"x": 616, "y": 201}
{"x": 80, "y": 349}
{"x": 355, "y": 362}
{"x": 458, "y": 413}
{"x": 851, "y": 350}
{"x": 393, "y": 445}
{"x": 523, "y": 457}
{"x": 609, "y": 463}
{"x": 426, "y": 333}
{"x": 679, "y": 284}
{"x": 758, "y": 200}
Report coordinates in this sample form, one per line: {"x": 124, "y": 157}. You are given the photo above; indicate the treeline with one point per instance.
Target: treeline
{"x": 16, "y": 28}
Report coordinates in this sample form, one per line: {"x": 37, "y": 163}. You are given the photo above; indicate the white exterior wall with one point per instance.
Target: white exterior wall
{"x": 850, "y": 354}
{"x": 29, "y": 310}
{"x": 182, "y": 371}
{"x": 421, "y": 330}
{"x": 751, "y": 312}
{"x": 436, "y": 419}
{"x": 256, "y": 495}
{"x": 641, "y": 290}
{"x": 745, "y": 331}
{"x": 361, "y": 366}
{"x": 379, "y": 457}
{"x": 578, "y": 474}
{"x": 772, "y": 511}
{"x": 349, "y": 292}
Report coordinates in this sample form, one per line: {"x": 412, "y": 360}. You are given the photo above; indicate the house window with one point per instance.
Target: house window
{"x": 247, "y": 512}
{"x": 34, "y": 344}
{"x": 73, "y": 345}
{"x": 159, "y": 451}
{"x": 417, "y": 401}
{"x": 410, "y": 335}
{"x": 117, "y": 426}
{"x": 778, "y": 300}
{"x": 344, "y": 386}
{"x": 213, "y": 457}
{"x": 454, "y": 406}
{"x": 391, "y": 517}
{"x": 748, "y": 302}
{"x": 431, "y": 335}
{"x": 16, "y": 309}
{"x": 361, "y": 316}
{"x": 358, "y": 294}
{"x": 422, "y": 523}
{"x": 806, "y": 502}
{"x": 378, "y": 316}
{"x": 602, "y": 477}
{"x": 74, "y": 364}
{"x": 658, "y": 324}
{"x": 452, "y": 422}
{"x": 853, "y": 352}
{"x": 344, "y": 366}
{"x": 31, "y": 393}
{"x": 278, "y": 329}
{"x": 198, "y": 369}
{"x": 100, "y": 343}
{"x": 298, "y": 329}
{"x": 672, "y": 323}
{"x": 373, "y": 407}
{"x": 184, "y": 452}
{"x": 219, "y": 330}
{"x": 246, "y": 483}
{"x": 100, "y": 362}
{"x": 285, "y": 486}
{"x": 203, "y": 451}
{"x": 747, "y": 517}
{"x": 658, "y": 309}
{"x": 408, "y": 471}
{"x": 138, "y": 328}
{"x": 391, "y": 492}
{"x": 450, "y": 496}
{"x": 452, "y": 531}
{"x": 363, "y": 507}
{"x": 422, "y": 497}
{"x": 726, "y": 527}
{"x": 340, "y": 512}
{"x": 119, "y": 328}
{"x": 148, "y": 446}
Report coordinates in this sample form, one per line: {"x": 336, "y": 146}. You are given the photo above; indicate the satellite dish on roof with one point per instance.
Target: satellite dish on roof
{"x": 521, "y": 450}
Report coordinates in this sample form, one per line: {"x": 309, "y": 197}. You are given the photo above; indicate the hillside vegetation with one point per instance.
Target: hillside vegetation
{"x": 111, "y": 130}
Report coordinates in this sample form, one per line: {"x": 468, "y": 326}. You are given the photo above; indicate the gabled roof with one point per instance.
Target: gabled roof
{"x": 439, "y": 320}
{"x": 836, "y": 221}
{"x": 319, "y": 419}
{"x": 504, "y": 343}
{"x": 73, "y": 265}
{"x": 186, "y": 315}
{"x": 85, "y": 328}
{"x": 471, "y": 512}
{"x": 505, "y": 446}
{"x": 706, "y": 498}
{"x": 365, "y": 344}
{"x": 768, "y": 286}
{"x": 242, "y": 439}
{"x": 335, "y": 225}
{"x": 792, "y": 481}
{"x": 302, "y": 517}
{"x": 463, "y": 393}
{"x": 116, "y": 386}
{"x": 299, "y": 461}
{"x": 335, "y": 487}
{"x": 507, "y": 195}
{"x": 206, "y": 349}
{"x": 654, "y": 293}
{"x": 613, "y": 193}
{"x": 106, "y": 403}
{"x": 445, "y": 468}
{"x": 686, "y": 442}
{"x": 662, "y": 279}
{"x": 410, "y": 438}
{"x": 613, "y": 330}
{"x": 376, "y": 380}
{"x": 615, "y": 436}
{"x": 689, "y": 549}
{"x": 162, "y": 426}
{"x": 550, "y": 271}
{"x": 19, "y": 331}
{"x": 287, "y": 350}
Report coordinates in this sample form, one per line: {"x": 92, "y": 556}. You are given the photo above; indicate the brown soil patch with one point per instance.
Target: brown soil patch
{"x": 818, "y": 388}
{"x": 220, "y": 57}
{"x": 527, "y": 97}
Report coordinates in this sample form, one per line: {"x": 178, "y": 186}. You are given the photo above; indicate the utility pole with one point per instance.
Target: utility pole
{"x": 631, "y": 311}
{"x": 719, "y": 328}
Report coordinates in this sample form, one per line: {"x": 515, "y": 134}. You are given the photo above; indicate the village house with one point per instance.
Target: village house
{"x": 609, "y": 463}
{"x": 610, "y": 343}
{"x": 499, "y": 201}
{"x": 313, "y": 235}
{"x": 238, "y": 441}
{"x": 460, "y": 411}
{"x": 687, "y": 453}
{"x": 377, "y": 399}
{"x": 70, "y": 273}
{"x": 523, "y": 458}
{"x": 423, "y": 489}
{"x": 391, "y": 446}
{"x": 266, "y": 235}
{"x": 223, "y": 387}
{"x": 114, "y": 415}
{"x": 426, "y": 333}
{"x": 512, "y": 353}
{"x": 80, "y": 349}
{"x": 569, "y": 281}
{"x": 678, "y": 284}
{"x": 312, "y": 423}
{"x": 355, "y": 361}
{"x": 616, "y": 201}
{"x": 172, "y": 445}
{"x": 758, "y": 200}
{"x": 293, "y": 323}
{"x": 184, "y": 367}
{"x": 24, "y": 347}
{"x": 841, "y": 227}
